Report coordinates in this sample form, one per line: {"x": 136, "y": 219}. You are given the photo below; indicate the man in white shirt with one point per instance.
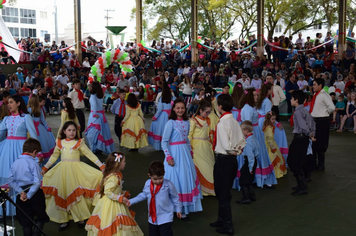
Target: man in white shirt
{"x": 122, "y": 83}
{"x": 122, "y": 46}
{"x": 321, "y": 107}
{"x": 300, "y": 40}
{"x": 63, "y": 78}
{"x": 278, "y": 95}
{"x": 133, "y": 80}
{"x": 229, "y": 142}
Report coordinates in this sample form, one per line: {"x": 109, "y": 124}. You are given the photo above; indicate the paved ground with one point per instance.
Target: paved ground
{"x": 328, "y": 209}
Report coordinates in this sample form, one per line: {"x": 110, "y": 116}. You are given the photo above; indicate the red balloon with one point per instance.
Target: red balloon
{"x": 147, "y": 86}
{"x": 337, "y": 90}
{"x": 3, "y": 1}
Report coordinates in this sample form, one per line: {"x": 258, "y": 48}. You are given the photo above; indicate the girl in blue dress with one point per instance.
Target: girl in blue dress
{"x": 160, "y": 118}
{"x": 264, "y": 171}
{"x": 3, "y": 112}
{"x": 237, "y": 94}
{"x": 178, "y": 162}
{"x": 15, "y": 127}
{"x": 45, "y": 136}
{"x": 98, "y": 130}
{"x": 264, "y": 103}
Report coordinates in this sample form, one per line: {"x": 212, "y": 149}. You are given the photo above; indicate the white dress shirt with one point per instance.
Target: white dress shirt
{"x": 278, "y": 95}
{"x": 229, "y": 137}
{"x": 323, "y": 106}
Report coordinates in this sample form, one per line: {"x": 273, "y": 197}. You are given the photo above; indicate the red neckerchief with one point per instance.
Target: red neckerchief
{"x": 216, "y": 128}
{"x": 153, "y": 201}
{"x": 122, "y": 105}
{"x": 249, "y": 135}
{"x": 313, "y": 101}
{"x": 80, "y": 95}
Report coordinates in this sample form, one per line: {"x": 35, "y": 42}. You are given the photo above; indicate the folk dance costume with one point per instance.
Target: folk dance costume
{"x": 64, "y": 119}
{"x": 281, "y": 140}
{"x": 111, "y": 217}
{"x": 70, "y": 185}
{"x": 176, "y": 146}
{"x": 157, "y": 125}
{"x": 214, "y": 118}
{"x": 264, "y": 171}
{"x": 275, "y": 155}
{"x": 118, "y": 108}
{"x": 134, "y": 134}
{"x": 98, "y": 130}
{"x": 162, "y": 201}
{"x": 204, "y": 158}
{"x": 78, "y": 104}
{"x": 265, "y": 107}
{"x": 236, "y": 113}
{"x": 16, "y": 128}
{"x": 45, "y": 136}
{"x": 2, "y": 134}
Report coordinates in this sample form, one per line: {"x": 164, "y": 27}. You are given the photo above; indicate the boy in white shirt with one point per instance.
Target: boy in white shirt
{"x": 228, "y": 143}
{"x": 339, "y": 84}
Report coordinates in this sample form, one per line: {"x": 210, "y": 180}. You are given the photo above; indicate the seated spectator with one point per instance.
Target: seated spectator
{"x": 63, "y": 78}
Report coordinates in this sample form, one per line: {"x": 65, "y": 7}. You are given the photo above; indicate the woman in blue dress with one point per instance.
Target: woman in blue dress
{"x": 264, "y": 172}
{"x": 15, "y": 127}
{"x": 44, "y": 133}
{"x": 3, "y": 112}
{"x": 237, "y": 94}
{"x": 178, "y": 163}
{"x": 160, "y": 118}
{"x": 264, "y": 103}
{"x": 98, "y": 130}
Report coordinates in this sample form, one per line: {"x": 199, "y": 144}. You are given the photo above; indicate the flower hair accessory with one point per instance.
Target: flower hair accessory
{"x": 246, "y": 92}
{"x": 118, "y": 157}
{"x": 266, "y": 82}
{"x": 172, "y": 103}
{"x": 1, "y": 102}
{"x": 269, "y": 113}
{"x": 239, "y": 85}
{"x": 30, "y": 95}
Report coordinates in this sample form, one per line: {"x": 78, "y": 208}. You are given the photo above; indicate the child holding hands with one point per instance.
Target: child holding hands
{"x": 25, "y": 178}
{"x": 162, "y": 199}
{"x": 111, "y": 216}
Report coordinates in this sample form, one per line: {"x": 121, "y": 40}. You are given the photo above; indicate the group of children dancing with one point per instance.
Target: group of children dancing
{"x": 241, "y": 129}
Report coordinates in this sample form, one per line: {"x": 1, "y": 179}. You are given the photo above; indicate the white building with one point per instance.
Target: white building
{"x": 23, "y": 20}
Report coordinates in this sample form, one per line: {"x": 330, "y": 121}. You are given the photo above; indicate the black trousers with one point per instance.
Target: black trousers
{"x": 275, "y": 109}
{"x": 34, "y": 207}
{"x": 297, "y": 155}
{"x": 322, "y": 140}
{"x": 289, "y": 109}
{"x": 160, "y": 230}
{"x": 225, "y": 170}
{"x": 81, "y": 119}
{"x": 118, "y": 128}
{"x": 246, "y": 178}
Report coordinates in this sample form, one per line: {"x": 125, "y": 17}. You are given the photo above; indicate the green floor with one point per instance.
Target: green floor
{"x": 328, "y": 209}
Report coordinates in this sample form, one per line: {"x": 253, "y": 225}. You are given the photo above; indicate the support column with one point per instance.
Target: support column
{"x": 342, "y": 29}
{"x": 78, "y": 30}
{"x": 260, "y": 27}
{"x": 138, "y": 21}
{"x": 194, "y": 10}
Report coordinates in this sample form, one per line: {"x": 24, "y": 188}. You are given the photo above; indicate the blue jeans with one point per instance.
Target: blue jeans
{"x": 334, "y": 71}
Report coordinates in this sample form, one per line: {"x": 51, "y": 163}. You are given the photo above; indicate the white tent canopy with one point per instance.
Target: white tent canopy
{"x": 8, "y": 39}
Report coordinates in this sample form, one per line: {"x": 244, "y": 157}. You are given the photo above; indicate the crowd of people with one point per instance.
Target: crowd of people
{"x": 218, "y": 125}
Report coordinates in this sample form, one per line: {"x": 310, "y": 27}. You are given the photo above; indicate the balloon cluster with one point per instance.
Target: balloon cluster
{"x": 0, "y": 39}
{"x": 142, "y": 46}
{"x": 2, "y": 3}
{"x": 106, "y": 59}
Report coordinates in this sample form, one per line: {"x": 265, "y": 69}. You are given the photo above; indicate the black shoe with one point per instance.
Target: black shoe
{"x": 217, "y": 224}
{"x": 244, "y": 201}
{"x": 81, "y": 225}
{"x": 300, "y": 192}
{"x": 63, "y": 228}
{"x": 185, "y": 218}
{"x": 223, "y": 230}
{"x": 320, "y": 168}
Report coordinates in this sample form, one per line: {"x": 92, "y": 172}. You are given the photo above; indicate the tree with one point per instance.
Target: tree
{"x": 329, "y": 10}
{"x": 350, "y": 13}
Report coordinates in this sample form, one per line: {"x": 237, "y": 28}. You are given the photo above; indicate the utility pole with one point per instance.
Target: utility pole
{"x": 55, "y": 22}
{"x": 107, "y": 24}
{"x": 78, "y": 29}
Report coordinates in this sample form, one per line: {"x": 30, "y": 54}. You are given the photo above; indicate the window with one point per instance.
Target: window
{"x": 278, "y": 29}
{"x": 43, "y": 15}
{"x": 10, "y": 14}
{"x": 25, "y": 32}
{"x": 43, "y": 32}
{"x": 27, "y": 16}
{"x": 318, "y": 26}
{"x": 14, "y": 31}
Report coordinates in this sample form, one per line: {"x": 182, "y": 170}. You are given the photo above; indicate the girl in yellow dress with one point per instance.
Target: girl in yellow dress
{"x": 69, "y": 187}
{"x": 204, "y": 158}
{"x": 111, "y": 217}
{"x": 68, "y": 114}
{"x": 134, "y": 134}
{"x": 275, "y": 155}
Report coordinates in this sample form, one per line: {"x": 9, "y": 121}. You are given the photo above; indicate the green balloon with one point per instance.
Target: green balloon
{"x": 98, "y": 79}
{"x": 326, "y": 88}
{"x": 231, "y": 87}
